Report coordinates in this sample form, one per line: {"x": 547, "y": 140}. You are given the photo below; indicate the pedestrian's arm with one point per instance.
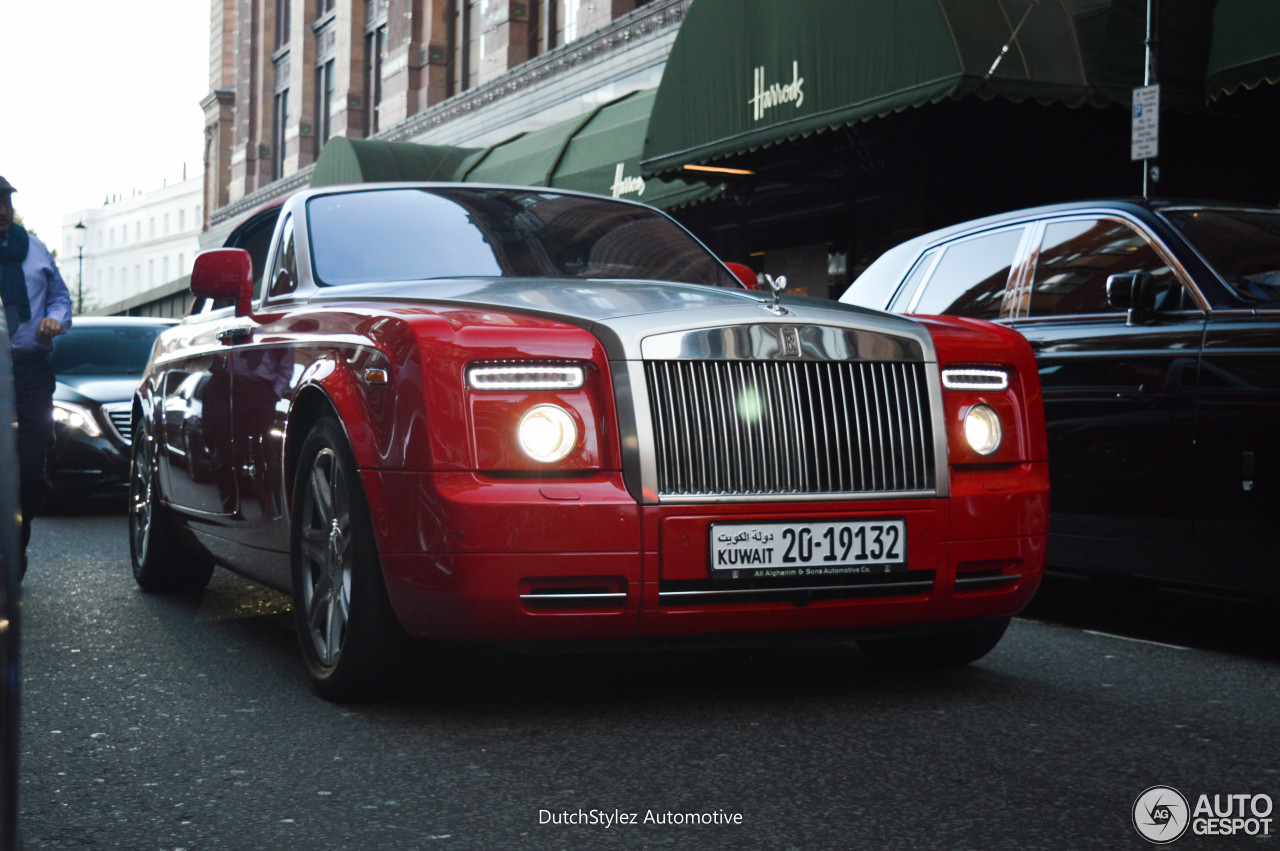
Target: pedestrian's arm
{"x": 57, "y": 303}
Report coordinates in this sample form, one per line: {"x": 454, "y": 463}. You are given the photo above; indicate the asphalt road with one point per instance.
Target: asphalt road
{"x": 166, "y": 723}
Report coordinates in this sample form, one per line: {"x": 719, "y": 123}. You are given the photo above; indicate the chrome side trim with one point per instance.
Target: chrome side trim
{"x": 610, "y": 595}
{"x": 799, "y": 589}
{"x": 978, "y": 581}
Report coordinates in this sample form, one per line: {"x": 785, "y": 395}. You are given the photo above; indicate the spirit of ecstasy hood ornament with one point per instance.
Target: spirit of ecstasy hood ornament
{"x": 776, "y": 286}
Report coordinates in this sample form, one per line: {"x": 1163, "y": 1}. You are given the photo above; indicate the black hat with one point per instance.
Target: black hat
{"x": 6, "y": 187}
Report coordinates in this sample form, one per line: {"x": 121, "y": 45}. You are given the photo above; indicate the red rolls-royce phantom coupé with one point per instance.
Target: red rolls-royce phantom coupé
{"x": 475, "y": 413}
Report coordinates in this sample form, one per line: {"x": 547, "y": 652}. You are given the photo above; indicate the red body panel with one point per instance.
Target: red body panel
{"x": 505, "y": 539}
{"x": 480, "y": 542}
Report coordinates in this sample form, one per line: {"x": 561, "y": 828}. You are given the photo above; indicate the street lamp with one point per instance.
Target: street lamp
{"x": 79, "y": 232}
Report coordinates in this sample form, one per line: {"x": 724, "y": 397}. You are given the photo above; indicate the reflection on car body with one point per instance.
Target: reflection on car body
{"x": 521, "y": 415}
{"x": 1156, "y": 327}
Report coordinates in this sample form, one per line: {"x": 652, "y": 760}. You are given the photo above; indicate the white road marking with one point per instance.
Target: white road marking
{"x": 1135, "y": 640}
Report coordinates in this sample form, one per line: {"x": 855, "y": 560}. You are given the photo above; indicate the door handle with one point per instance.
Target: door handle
{"x": 231, "y": 336}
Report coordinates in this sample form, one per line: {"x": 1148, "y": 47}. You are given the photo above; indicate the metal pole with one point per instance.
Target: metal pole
{"x": 1150, "y": 77}
{"x": 80, "y": 284}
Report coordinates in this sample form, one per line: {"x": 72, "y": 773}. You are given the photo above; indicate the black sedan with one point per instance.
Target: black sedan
{"x": 1156, "y": 328}
{"x": 98, "y": 363}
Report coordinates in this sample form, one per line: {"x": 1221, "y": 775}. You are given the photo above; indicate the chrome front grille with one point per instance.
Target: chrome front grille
{"x": 726, "y": 428}
{"x": 119, "y": 414}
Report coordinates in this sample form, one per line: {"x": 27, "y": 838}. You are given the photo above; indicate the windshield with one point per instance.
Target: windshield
{"x": 1243, "y": 246}
{"x": 453, "y": 232}
{"x": 90, "y": 350}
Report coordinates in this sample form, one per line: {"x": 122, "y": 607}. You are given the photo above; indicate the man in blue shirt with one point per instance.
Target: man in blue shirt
{"x": 37, "y": 308}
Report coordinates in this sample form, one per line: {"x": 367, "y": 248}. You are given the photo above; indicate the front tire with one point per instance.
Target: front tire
{"x": 949, "y": 649}
{"x": 160, "y": 562}
{"x": 347, "y": 631}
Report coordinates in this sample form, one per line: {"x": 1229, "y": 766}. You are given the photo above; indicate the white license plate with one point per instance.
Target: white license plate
{"x": 815, "y": 548}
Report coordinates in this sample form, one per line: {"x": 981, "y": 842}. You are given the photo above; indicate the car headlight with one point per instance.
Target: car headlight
{"x": 76, "y": 417}
{"x": 547, "y": 433}
{"x": 982, "y": 429}
{"x": 525, "y": 377}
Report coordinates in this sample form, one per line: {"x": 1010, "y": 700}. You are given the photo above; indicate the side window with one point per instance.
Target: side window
{"x": 970, "y": 278}
{"x": 1076, "y": 258}
{"x": 285, "y": 266}
{"x": 908, "y": 290}
{"x": 255, "y": 237}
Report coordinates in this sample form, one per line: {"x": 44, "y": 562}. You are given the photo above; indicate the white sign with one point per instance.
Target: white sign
{"x": 768, "y": 95}
{"x": 623, "y": 185}
{"x": 1145, "y": 139}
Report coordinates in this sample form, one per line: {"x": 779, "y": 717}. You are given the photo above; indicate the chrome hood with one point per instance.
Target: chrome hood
{"x": 636, "y": 320}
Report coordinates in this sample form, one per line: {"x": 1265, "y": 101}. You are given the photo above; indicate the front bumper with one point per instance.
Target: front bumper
{"x": 84, "y": 466}
{"x": 472, "y": 558}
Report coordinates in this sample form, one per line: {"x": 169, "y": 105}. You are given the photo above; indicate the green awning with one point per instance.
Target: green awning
{"x": 604, "y": 157}
{"x": 744, "y": 74}
{"x": 598, "y": 152}
{"x": 527, "y": 159}
{"x": 344, "y": 160}
{"x": 1245, "y": 49}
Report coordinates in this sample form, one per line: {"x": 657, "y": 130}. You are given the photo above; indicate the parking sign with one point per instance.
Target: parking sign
{"x": 1145, "y": 139}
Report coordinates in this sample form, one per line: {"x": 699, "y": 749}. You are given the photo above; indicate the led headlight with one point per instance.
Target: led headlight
{"x": 975, "y": 379}
{"x": 76, "y": 417}
{"x": 547, "y": 433}
{"x": 525, "y": 377}
{"x": 982, "y": 429}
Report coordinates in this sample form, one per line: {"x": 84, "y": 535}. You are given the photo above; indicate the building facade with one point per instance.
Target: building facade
{"x": 802, "y": 138}
{"x": 137, "y": 249}
{"x": 288, "y": 75}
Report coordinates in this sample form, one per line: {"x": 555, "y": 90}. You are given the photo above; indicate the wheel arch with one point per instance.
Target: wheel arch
{"x": 309, "y": 405}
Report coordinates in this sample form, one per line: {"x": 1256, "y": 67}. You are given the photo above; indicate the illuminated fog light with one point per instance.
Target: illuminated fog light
{"x": 547, "y": 433}
{"x": 526, "y": 377}
{"x": 76, "y": 417}
{"x": 982, "y": 429}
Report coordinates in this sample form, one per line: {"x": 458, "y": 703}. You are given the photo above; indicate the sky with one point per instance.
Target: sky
{"x": 100, "y": 98}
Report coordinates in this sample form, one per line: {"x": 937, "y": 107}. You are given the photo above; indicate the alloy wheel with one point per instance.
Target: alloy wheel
{"x": 327, "y": 557}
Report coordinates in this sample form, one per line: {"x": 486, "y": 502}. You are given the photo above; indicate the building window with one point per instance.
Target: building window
{"x": 137, "y": 231}
{"x": 281, "y": 125}
{"x": 375, "y": 44}
{"x": 324, "y": 7}
{"x": 151, "y": 228}
{"x": 566, "y": 21}
{"x": 182, "y": 259}
{"x": 151, "y": 273}
{"x": 166, "y": 224}
{"x": 182, "y": 220}
{"x": 164, "y": 270}
{"x": 324, "y": 100}
{"x": 282, "y": 22}
{"x": 475, "y": 40}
